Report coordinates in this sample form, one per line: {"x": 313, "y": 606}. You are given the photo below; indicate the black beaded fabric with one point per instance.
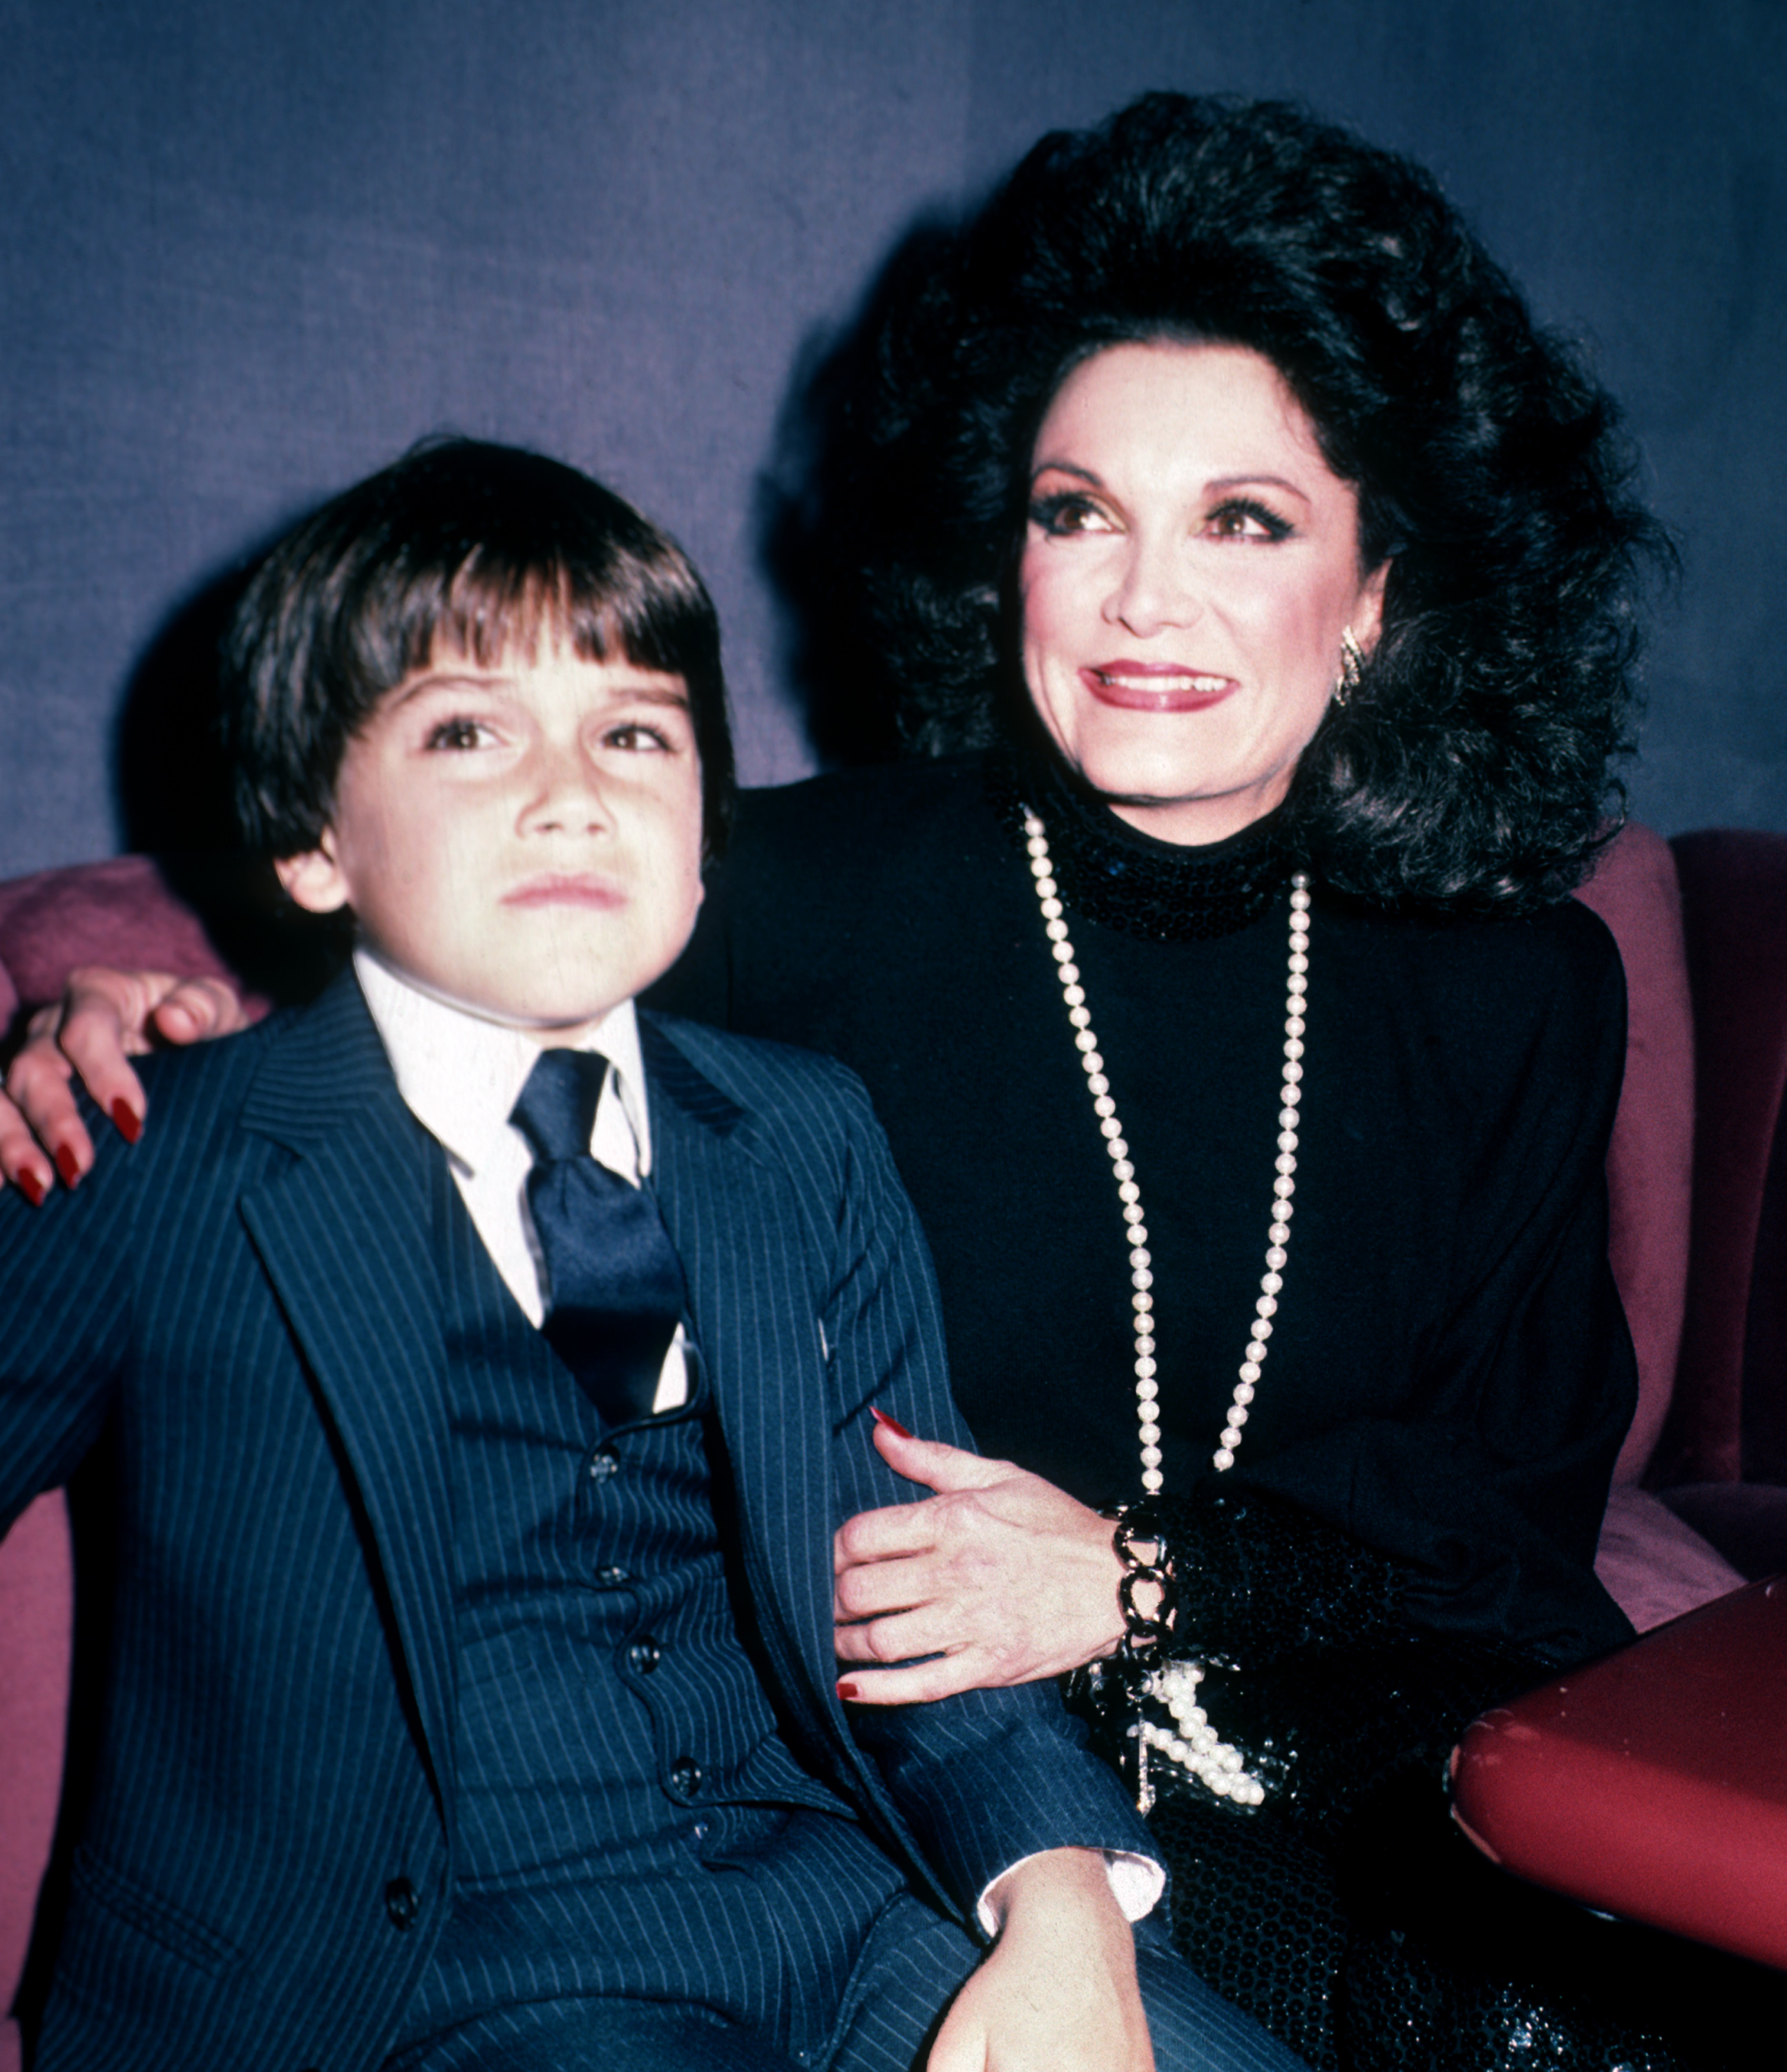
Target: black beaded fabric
{"x": 1122, "y": 879}
{"x": 1344, "y": 1913}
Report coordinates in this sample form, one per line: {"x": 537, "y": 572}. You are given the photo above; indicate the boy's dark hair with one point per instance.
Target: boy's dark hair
{"x": 469, "y": 545}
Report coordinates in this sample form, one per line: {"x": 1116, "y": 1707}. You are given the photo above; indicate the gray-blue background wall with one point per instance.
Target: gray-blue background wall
{"x": 248, "y": 253}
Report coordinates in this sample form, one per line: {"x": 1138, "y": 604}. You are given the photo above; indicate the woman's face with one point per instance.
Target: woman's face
{"x": 1190, "y": 563}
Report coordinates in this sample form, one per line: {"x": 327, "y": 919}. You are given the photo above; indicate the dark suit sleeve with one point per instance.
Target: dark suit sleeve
{"x": 66, "y": 1295}
{"x": 990, "y": 1777}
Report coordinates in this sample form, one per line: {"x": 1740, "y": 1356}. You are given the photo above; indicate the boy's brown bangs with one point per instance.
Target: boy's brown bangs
{"x": 489, "y": 610}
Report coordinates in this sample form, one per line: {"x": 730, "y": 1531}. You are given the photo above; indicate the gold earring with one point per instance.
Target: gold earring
{"x": 1352, "y": 665}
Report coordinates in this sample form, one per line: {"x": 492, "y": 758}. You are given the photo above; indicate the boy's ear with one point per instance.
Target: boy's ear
{"x": 314, "y": 880}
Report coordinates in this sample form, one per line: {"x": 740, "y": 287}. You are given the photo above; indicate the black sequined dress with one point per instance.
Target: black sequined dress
{"x": 1450, "y": 1376}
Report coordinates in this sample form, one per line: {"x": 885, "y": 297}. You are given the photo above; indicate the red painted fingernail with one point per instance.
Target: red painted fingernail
{"x": 67, "y": 1165}
{"x": 32, "y": 1189}
{"x": 892, "y": 1424}
{"x": 125, "y": 1120}
{"x": 847, "y": 1692}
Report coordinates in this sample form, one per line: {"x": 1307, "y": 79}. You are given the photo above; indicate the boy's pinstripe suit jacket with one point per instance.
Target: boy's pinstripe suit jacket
{"x": 246, "y": 1304}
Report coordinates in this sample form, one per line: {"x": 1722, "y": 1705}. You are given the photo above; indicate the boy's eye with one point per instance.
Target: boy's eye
{"x": 634, "y": 735}
{"x": 460, "y": 733}
{"x": 1244, "y": 518}
{"x": 1068, "y": 512}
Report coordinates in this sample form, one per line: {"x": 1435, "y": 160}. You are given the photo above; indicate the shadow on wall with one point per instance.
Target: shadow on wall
{"x": 823, "y": 500}
{"x": 171, "y": 787}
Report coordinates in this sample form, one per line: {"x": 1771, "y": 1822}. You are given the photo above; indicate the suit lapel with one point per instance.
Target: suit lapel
{"x": 344, "y": 1236}
{"x": 750, "y": 1261}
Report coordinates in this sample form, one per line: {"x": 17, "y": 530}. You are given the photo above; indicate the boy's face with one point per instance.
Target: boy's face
{"x": 522, "y": 840}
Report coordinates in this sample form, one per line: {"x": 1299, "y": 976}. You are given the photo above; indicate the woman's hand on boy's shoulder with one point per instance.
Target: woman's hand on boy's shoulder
{"x": 104, "y": 1019}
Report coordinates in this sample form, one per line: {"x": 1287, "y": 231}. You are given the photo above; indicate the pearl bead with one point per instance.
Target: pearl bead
{"x": 1198, "y": 1750}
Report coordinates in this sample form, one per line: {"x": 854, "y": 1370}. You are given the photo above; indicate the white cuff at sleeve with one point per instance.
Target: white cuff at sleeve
{"x": 1136, "y": 1883}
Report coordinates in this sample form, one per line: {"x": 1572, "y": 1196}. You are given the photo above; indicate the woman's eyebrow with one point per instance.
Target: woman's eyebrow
{"x": 1219, "y": 483}
{"x": 1067, "y": 467}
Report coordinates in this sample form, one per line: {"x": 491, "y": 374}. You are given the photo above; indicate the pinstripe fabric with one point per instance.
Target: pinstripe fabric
{"x": 247, "y": 1297}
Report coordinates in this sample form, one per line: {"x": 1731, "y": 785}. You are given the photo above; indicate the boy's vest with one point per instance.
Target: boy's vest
{"x": 614, "y": 1741}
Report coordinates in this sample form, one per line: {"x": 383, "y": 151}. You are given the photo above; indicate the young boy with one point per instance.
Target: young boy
{"x": 471, "y": 1695}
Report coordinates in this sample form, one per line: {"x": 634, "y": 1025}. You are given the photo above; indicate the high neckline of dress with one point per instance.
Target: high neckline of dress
{"x": 1120, "y": 878}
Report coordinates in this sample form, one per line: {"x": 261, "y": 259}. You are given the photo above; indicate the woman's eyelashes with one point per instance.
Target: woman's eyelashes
{"x": 1246, "y": 518}
{"x": 1071, "y": 512}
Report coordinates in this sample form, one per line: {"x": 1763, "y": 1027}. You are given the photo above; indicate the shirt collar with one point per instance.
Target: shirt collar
{"x": 460, "y": 1074}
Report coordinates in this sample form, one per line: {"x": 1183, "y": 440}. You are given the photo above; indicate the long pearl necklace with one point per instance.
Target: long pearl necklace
{"x": 1196, "y": 1747}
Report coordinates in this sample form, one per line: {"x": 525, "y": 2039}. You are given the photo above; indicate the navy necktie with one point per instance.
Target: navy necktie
{"x": 614, "y": 1287}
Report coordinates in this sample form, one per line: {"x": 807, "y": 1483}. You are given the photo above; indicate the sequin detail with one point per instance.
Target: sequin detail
{"x": 1121, "y": 879}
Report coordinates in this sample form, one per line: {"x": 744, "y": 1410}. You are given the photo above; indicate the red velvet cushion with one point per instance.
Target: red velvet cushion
{"x": 1653, "y": 1784}
{"x": 36, "y": 1629}
{"x": 1650, "y": 1161}
{"x": 1733, "y": 897}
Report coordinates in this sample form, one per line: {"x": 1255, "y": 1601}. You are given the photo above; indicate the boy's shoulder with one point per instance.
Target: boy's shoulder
{"x": 776, "y": 1082}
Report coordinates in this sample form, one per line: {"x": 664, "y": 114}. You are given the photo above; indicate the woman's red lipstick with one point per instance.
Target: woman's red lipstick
{"x": 1156, "y": 686}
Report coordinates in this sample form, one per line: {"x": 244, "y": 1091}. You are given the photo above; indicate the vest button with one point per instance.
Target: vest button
{"x": 610, "y": 1577}
{"x": 400, "y": 1903}
{"x": 644, "y": 1656}
{"x": 685, "y": 1777}
{"x": 603, "y": 1464}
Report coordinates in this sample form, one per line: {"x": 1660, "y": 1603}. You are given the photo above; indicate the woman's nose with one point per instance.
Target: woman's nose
{"x": 1154, "y": 590}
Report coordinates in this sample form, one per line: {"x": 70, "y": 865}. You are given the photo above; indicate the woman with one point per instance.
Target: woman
{"x": 1261, "y": 580}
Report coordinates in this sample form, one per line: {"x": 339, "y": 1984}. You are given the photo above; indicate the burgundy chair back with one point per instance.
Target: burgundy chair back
{"x": 1728, "y": 1420}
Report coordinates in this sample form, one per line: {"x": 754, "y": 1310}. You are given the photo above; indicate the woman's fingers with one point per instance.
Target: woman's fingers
{"x": 931, "y": 1463}
{"x": 1008, "y": 1577}
{"x": 41, "y": 1123}
{"x": 901, "y": 1636}
{"x": 104, "y": 1018}
{"x": 23, "y": 1159}
{"x": 919, "y": 1683}
{"x": 199, "y": 1008}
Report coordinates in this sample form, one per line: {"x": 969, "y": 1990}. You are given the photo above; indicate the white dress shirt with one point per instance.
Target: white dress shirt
{"x": 460, "y": 1076}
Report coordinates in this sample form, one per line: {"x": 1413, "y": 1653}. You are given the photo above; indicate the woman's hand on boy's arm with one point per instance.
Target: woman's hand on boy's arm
{"x": 1057, "y": 1993}
{"x": 104, "y": 1019}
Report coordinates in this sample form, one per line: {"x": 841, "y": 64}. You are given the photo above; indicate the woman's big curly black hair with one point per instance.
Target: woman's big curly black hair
{"x": 1473, "y": 768}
